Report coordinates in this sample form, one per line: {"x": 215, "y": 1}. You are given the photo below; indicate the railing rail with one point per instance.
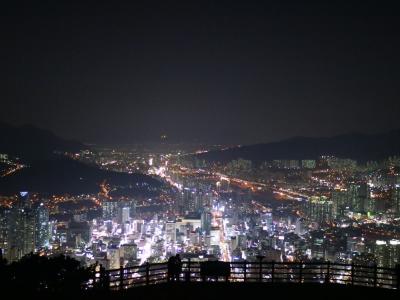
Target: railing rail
{"x": 260, "y": 271}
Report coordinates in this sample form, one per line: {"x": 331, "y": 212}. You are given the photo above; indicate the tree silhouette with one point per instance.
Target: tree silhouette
{"x": 35, "y": 273}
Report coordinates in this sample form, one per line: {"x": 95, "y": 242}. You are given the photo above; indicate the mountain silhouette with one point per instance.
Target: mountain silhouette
{"x": 31, "y": 143}
{"x": 360, "y": 147}
{"x": 50, "y": 172}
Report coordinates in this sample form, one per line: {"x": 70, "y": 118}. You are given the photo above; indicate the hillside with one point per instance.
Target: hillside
{"x": 48, "y": 172}
{"x": 31, "y": 143}
{"x": 63, "y": 175}
{"x": 360, "y": 147}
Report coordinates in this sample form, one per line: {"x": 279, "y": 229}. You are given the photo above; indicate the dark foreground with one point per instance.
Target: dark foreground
{"x": 247, "y": 291}
{"x": 233, "y": 291}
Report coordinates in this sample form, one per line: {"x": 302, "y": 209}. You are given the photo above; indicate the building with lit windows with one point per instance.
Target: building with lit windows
{"x": 4, "y": 212}
{"x": 359, "y": 198}
{"x": 114, "y": 257}
{"x": 319, "y": 209}
{"x": 341, "y": 203}
{"x": 20, "y": 228}
{"x": 396, "y": 200}
{"x": 123, "y": 214}
{"x": 170, "y": 232}
{"x": 42, "y": 227}
{"x": 308, "y": 164}
{"x": 387, "y": 253}
{"x": 215, "y": 235}
{"x": 129, "y": 252}
{"x": 110, "y": 209}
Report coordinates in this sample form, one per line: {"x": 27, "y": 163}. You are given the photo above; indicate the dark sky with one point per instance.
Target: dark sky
{"x": 215, "y": 71}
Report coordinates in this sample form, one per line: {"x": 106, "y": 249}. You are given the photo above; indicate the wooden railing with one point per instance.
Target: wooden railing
{"x": 244, "y": 271}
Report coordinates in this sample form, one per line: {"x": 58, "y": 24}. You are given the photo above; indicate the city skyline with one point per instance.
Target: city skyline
{"x": 169, "y": 145}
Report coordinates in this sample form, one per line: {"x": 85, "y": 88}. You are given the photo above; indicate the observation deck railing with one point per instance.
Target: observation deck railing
{"x": 245, "y": 271}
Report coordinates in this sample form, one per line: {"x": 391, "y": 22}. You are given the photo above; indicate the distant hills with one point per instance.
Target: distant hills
{"x": 52, "y": 173}
{"x": 360, "y": 147}
{"x": 67, "y": 176}
{"x": 31, "y": 143}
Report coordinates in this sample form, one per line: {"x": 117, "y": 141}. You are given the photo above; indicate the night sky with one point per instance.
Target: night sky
{"x": 211, "y": 71}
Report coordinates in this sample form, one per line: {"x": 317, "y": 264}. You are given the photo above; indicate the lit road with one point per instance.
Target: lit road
{"x": 247, "y": 184}
{"x": 13, "y": 170}
{"x": 219, "y": 221}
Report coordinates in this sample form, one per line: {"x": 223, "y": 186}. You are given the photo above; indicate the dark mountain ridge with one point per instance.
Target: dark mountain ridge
{"x": 66, "y": 176}
{"x": 47, "y": 171}
{"x": 360, "y": 147}
{"x": 30, "y": 143}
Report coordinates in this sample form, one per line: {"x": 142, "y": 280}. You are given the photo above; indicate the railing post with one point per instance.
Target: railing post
{"x": 104, "y": 283}
{"x": 168, "y": 272}
{"x": 321, "y": 272}
{"x": 107, "y": 279}
{"x": 301, "y": 272}
{"x": 227, "y": 276}
{"x": 352, "y": 273}
{"x": 188, "y": 271}
{"x": 328, "y": 273}
{"x": 273, "y": 271}
{"x": 260, "y": 258}
{"x": 245, "y": 270}
{"x": 147, "y": 273}
{"x": 121, "y": 277}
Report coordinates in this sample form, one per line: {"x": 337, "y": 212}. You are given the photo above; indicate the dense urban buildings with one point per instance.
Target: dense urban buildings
{"x": 251, "y": 137}
{"x": 285, "y": 210}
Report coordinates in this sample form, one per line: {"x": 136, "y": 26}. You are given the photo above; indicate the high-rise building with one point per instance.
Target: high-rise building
{"x": 317, "y": 245}
{"x": 267, "y": 220}
{"x": 20, "y": 228}
{"x": 206, "y": 219}
{"x": 364, "y": 198}
{"x": 308, "y": 164}
{"x": 4, "y": 216}
{"x": 123, "y": 214}
{"x": 114, "y": 257}
{"x": 380, "y": 252}
{"x": 340, "y": 202}
{"x": 387, "y": 253}
{"x": 215, "y": 236}
{"x": 170, "y": 232}
{"x": 193, "y": 201}
{"x": 352, "y": 194}
{"x": 341, "y": 163}
{"x": 394, "y": 253}
{"x": 396, "y": 200}
{"x": 300, "y": 226}
{"x": 21, "y": 232}
{"x": 319, "y": 209}
{"x": 129, "y": 252}
{"x": 138, "y": 226}
{"x": 359, "y": 197}
{"x": 42, "y": 227}
{"x": 132, "y": 208}
{"x": 110, "y": 209}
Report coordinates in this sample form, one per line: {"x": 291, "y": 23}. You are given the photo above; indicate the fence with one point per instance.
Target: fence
{"x": 244, "y": 271}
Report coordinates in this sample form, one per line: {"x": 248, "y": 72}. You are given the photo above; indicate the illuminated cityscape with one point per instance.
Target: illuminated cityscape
{"x": 323, "y": 209}
{"x": 188, "y": 149}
